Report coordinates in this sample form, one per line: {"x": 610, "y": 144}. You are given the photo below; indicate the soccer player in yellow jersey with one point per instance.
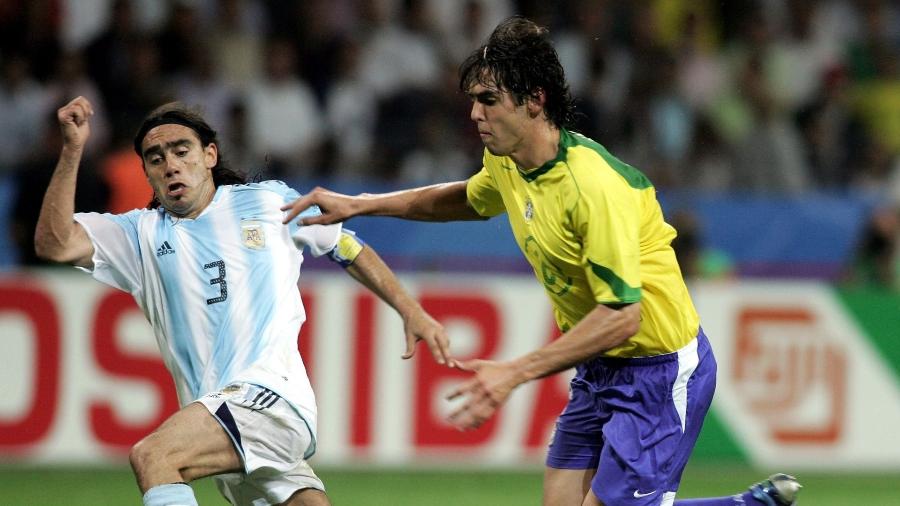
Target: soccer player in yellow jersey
{"x": 593, "y": 231}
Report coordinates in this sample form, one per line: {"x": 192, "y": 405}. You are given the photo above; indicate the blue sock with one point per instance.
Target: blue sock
{"x": 170, "y": 494}
{"x": 745, "y": 499}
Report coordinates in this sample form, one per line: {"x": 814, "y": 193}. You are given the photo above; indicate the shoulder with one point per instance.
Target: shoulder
{"x": 136, "y": 216}
{"x": 589, "y": 161}
{"x": 596, "y": 180}
{"x": 279, "y": 188}
{"x": 134, "y": 223}
{"x": 272, "y": 185}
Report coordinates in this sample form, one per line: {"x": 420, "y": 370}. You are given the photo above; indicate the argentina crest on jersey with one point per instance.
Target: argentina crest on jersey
{"x": 253, "y": 235}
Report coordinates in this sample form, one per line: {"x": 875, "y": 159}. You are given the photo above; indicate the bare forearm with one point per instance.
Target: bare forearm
{"x": 369, "y": 270}
{"x": 55, "y": 227}
{"x": 439, "y": 202}
{"x": 602, "y": 329}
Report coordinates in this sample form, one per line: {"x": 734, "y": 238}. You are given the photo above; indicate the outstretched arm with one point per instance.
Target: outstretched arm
{"x": 439, "y": 202}
{"x": 58, "y": 237}
{"x": 371, "y": 271}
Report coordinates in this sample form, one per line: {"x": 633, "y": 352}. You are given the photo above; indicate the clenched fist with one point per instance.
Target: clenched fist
{"x": 73, "y": 121}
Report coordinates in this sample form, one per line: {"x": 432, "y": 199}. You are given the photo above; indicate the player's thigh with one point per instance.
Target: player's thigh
{"x": 591, "y": 500}
{"x": 566, "y": 487}
{"x": 273, "y": 440}
{"x": 193, "y": 441}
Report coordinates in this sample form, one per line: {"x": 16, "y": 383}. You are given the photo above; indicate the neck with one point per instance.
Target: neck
{"x": 192, "y": 213}
{"x": 542, "y": 147}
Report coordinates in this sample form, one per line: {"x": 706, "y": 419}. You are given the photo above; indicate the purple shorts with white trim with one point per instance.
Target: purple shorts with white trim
{"x": 636, "y": 420}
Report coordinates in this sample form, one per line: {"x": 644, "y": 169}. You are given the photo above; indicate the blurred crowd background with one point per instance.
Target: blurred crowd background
{"x": 788, "y": 98}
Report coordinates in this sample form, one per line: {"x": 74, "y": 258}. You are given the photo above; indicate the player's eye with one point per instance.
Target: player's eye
{"x": 487, "y": 99}
{"x": 181, "y": 152}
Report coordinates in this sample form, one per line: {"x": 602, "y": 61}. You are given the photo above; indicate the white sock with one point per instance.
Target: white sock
{"x": 170, "y": 494}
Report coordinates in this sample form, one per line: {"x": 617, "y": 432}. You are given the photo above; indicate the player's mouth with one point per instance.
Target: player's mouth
{"x": 175, "y": 190}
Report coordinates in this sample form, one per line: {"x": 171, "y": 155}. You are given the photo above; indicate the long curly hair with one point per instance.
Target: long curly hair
{"x": 180, "y": 114}
{"x": 519, "y": 58}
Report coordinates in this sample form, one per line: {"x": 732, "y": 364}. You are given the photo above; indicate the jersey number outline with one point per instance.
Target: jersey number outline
{"x": 223, "y": 286}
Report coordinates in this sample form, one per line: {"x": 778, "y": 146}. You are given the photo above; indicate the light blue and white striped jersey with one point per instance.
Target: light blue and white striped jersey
{"x": 220, "y": 290}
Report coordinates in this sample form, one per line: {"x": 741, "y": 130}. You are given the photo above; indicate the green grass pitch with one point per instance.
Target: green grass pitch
{"x": 21, "y": 486}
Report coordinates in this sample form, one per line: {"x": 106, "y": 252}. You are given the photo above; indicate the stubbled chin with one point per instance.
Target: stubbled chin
{"x": 176, "y": 205}
{"x": 493, "y": 151}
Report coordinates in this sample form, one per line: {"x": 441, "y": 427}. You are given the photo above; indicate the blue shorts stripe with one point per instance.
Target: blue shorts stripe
{"x": 227, "y": 420}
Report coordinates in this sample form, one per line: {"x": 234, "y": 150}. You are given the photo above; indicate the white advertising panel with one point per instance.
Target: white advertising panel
{"x": 799, "y": 384}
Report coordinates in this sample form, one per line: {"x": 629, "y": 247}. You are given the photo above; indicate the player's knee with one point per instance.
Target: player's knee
{"x": 142, "y": 454}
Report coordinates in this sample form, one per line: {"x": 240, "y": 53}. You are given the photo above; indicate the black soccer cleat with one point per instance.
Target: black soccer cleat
{"x": 778, "y": 490}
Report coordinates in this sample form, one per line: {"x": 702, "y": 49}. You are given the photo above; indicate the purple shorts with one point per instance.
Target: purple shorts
{"x": 635, "y": 420}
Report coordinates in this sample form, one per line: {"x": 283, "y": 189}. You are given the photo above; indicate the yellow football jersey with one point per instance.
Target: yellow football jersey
{"x": 593, "y": 231}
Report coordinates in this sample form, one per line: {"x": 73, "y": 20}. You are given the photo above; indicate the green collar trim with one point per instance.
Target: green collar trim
{"x": 565, "y": 140}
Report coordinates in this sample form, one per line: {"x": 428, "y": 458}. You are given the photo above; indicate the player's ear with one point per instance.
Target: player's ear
{"x": 211, "y": 155}
{"x": 536, "y": 102}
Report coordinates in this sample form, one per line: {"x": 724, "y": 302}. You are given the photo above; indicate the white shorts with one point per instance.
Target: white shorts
{"x": 272, "y": 439}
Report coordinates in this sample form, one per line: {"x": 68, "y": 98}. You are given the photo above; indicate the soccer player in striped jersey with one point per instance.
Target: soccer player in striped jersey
{"x": 593, "y": 231}
{"x": 215, "y": 271}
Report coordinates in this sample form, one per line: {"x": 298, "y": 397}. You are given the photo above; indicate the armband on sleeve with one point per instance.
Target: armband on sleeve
{"x": 348, "y": 248}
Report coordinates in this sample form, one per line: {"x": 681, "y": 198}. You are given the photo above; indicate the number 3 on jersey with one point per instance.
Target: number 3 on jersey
{"x": 223, "y": 287}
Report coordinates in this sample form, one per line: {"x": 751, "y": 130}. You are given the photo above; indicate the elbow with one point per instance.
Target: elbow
{"x": 630, "y": 321}
{"x": 42, "y": 249}
{"x": 72, "y": 247}
{"x": 48, "y": 250}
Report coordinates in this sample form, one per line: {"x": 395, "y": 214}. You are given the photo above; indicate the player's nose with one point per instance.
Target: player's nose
{"x": 477, "y": 113}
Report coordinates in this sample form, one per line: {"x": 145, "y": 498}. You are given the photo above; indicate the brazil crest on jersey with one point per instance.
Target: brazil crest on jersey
{"x": 219, "y": 290}
{"x": 593, "y": 231}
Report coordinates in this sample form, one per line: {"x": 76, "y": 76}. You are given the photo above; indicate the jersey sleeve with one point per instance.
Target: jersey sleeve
{"x": 483, "y": 195}
{"x": 608, "y": 221}
{"x": 117, "y": 253}
{"x": 320, "y": 239}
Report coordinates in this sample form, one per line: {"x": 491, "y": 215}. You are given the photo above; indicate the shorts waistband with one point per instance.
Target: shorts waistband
{"x": 700, "y": 343}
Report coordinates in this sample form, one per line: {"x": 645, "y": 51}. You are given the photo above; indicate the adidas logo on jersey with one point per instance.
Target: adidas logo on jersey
{"x": 165, "y": 249}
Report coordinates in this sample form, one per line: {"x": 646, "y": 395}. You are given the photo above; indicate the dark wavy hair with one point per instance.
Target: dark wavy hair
{"x": 180, "y": 114}
{"x": 519, "y": 58}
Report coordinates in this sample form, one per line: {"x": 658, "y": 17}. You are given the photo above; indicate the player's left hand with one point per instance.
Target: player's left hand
{"x": 484, "y": 393}
{"x": 420, "y": 326}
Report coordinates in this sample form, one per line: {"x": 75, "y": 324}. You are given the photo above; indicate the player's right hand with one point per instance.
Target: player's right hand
{"x": 335, "y": 207}
{"x": 73, "y": 121}
{"x": 484, "y": 393}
